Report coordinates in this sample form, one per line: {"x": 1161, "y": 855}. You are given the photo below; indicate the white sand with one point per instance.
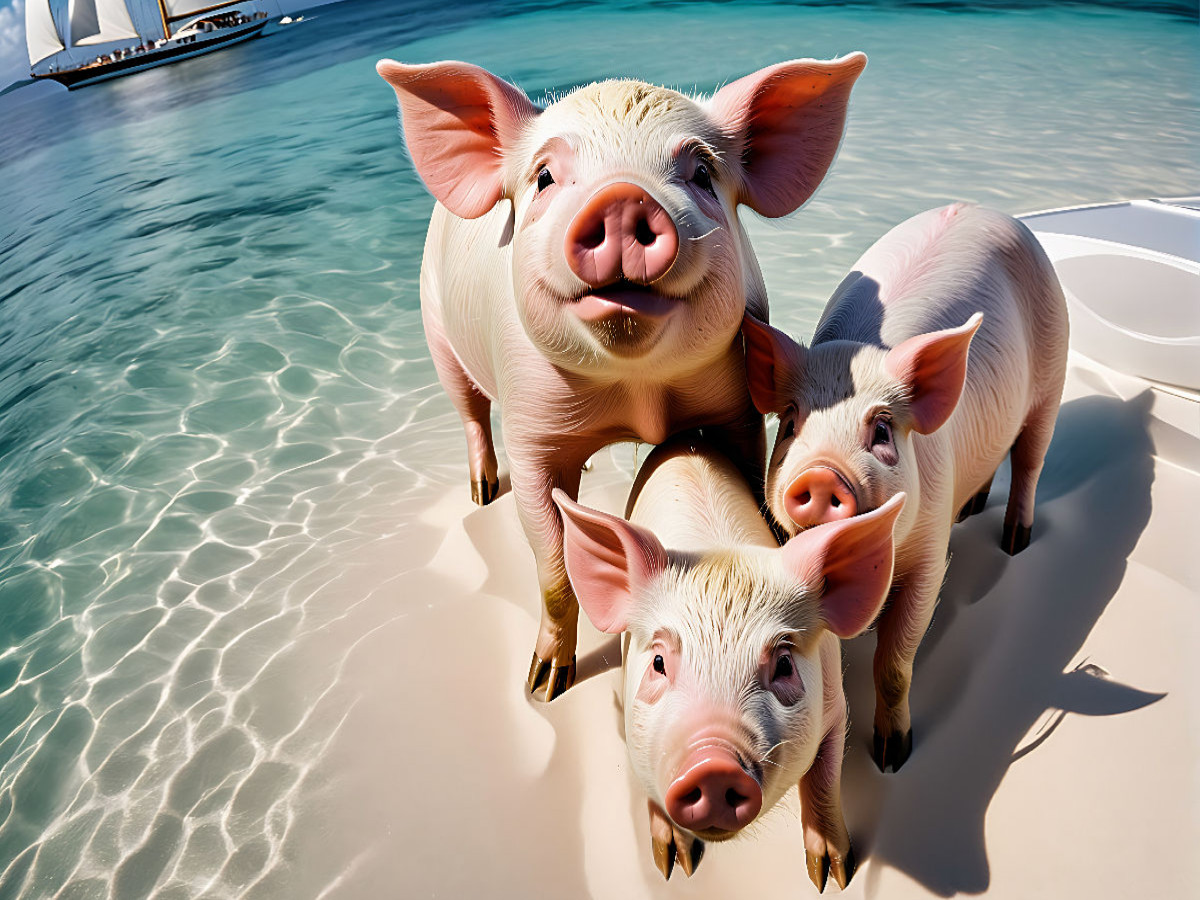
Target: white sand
{"x": 1056, "y": 709}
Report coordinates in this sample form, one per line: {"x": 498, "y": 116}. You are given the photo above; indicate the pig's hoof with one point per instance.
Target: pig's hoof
{"x": 664, "y": 856}
{"x": 484, "y": 492}
{"x": 690, "y": 858}
{"x": 556, "y": 679}
{"x": 667, "y": 852}
{"x": 820, "y": 867}
{"x": 842, "y": 868}
{"x": 1015, "y": 538}
{"x": 891, "y": 750}
{"x": 670, "y": 845}
{"x": 973, "y": 507}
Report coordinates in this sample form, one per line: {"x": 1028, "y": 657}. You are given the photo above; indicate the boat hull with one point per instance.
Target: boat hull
{"x": 1130, "y": 272}
{"x": 76, "y": 78}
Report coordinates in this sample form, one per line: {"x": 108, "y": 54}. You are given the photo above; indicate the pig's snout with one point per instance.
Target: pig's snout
{"x": 621, "y": 232}
{"x": 819, "y": 495}
{"x": 713, "y": 793}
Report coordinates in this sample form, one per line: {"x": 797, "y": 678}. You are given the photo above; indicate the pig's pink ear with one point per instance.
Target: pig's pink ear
{"x": 933, "y": 367}
{"x": 458, "y": 120}
{"x": 608, "y": 559}
{"x": 854, "y": 557}
{"x": 774, "y": 363}
{"x": 786, "y": 121}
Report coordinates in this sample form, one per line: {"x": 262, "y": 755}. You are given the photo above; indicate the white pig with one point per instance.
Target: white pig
{"x": 732, "y": 678}
{"x": 888, "y": 399}
{"x": 585, "y": 268}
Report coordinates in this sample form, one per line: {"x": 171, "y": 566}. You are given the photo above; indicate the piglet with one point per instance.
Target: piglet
{"x": 732, "y": 679}
{"x": 887, "y": 399}
{"x": 585, "y": 268}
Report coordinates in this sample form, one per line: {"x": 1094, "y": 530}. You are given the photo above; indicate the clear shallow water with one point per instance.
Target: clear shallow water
{"x": 216, "y": 402}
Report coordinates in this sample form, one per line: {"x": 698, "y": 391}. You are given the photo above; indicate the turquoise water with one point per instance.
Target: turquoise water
{"x": 215, "y": 393}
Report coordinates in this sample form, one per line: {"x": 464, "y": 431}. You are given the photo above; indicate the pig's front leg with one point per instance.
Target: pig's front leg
{"x": 669, "y": 844}
{"x": 827, "y": 849}
{"x": 533, "y": 478}
{"x": 901, "y": 627}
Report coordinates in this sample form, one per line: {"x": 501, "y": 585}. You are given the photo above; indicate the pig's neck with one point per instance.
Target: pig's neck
{"x": 569, "y": 405}
{"x": 695, "y": 499}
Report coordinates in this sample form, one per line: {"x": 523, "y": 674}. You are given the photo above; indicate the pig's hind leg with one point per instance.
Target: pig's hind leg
{"x": 474, "y": 409}
{"x": 1028, "y": 455}
{"x": 827, "y": 849}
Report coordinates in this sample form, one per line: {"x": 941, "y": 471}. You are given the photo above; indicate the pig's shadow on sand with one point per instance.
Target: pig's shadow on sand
{"x": 996, "y": 659}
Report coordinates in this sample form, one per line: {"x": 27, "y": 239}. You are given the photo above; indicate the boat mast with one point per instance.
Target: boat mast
{"x": 162, "y": 11}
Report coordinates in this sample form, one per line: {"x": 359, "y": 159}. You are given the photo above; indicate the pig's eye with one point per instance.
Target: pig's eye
{"x": 789, "y": 430}
{"x": 881, "y": 431}
{"x": 880, "y": 442}
{"x": 785, "y": 680}
{"x": 784, "y": 669}
{"x": 545, "y": 179}
{"x": 659, "y": 665}
{"x": 702, "y": 178}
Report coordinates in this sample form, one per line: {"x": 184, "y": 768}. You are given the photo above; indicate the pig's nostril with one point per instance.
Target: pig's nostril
{"x": 593, "y": 237}
{"x": 804, "y": 498}
{"x": 733, "y": 798}
{"x": 645, "y": 236}
{"x": 692, "y": 797}
{"x": 834, "y": 501}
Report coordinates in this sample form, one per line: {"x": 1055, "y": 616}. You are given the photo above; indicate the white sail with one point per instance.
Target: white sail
{"x": 98, "y": 21}
{"x": 179, "y": 8}
{"x": 41, "y": 35}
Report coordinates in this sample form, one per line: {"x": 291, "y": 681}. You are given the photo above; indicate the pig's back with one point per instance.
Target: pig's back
{"x": 938, "y": 268}
{"x": 695, "y": 499}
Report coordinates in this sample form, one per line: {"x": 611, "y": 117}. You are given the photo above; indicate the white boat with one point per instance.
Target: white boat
{"x": 80, "y": 42}
{"x": 1131, "y": 274}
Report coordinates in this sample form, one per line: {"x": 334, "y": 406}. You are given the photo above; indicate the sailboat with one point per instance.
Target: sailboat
{"x": 100, "y": 39}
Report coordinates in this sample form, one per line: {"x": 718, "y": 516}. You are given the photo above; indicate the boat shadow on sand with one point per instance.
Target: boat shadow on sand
{"x": 1000, "y": 654}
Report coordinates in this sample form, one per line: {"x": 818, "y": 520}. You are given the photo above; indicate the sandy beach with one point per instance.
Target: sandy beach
{"x": 1055, "y": 712}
